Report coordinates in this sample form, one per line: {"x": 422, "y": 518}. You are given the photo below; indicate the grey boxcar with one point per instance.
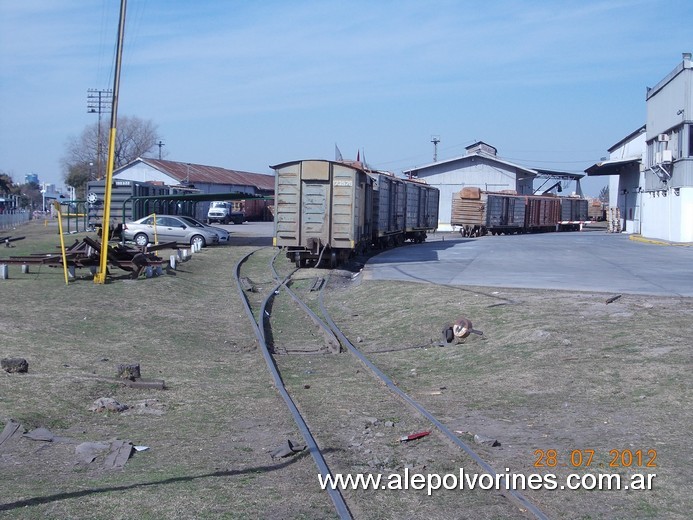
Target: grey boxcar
{"x": 421, "y": 210}
{"x": 322, "y": 210}
{"x": 389, "y": 205}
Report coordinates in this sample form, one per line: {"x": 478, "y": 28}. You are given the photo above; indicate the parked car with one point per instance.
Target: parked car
{"x": 169, "y": 228}
{"x": 223, "y": 235}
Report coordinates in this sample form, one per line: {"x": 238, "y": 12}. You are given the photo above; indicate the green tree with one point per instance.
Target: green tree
{"x": 30, "y": 196}
{"x": 6, "y": 184}
{"x": 78, "y": 175}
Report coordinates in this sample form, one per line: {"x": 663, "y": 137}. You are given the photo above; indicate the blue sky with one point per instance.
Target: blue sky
{"x": 247, "y": 84}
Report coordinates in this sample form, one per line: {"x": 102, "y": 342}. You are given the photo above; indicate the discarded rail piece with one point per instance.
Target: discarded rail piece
{"x": 9, "y": 239}
{"x": 87, "y": 253}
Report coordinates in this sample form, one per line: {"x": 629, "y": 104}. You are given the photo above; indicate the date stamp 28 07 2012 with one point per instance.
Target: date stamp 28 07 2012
{"x": 584, "y": 458}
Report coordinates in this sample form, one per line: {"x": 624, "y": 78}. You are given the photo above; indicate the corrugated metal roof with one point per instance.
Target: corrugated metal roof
{"x": 469, "y": 156}
{"x": 199, "y": 173}
{"x": 611, "y": 167}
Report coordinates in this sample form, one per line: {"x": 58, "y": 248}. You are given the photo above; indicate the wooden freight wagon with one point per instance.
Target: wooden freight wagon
{"x": 596, "y": 210}
{"x": 322, "y": 210}
{"x": 469, "y": 212}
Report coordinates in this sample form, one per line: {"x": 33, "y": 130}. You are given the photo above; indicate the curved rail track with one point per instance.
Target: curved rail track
{"x": 333, "y": 337}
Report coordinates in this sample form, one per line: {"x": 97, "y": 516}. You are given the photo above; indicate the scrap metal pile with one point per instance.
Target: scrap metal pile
{"x": 87, "y": 253}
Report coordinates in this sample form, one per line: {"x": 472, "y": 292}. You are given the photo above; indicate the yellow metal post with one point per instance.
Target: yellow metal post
{"x": 156, "y": 238}
{"x": 56, "y": 204}
{"x": 100, "y": 277}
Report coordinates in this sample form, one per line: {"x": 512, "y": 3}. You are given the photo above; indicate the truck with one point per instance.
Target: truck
{"x": 223, "y": 212}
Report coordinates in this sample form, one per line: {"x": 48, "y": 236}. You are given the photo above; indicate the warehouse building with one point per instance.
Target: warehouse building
{"x": 652, "y": 168}
{"x": 206, "y": 180}
{"x": 479, "y": 168}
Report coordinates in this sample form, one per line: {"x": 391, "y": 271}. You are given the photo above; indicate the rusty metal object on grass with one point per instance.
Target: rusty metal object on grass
{"x": 86, "y": 254}
{"x": 14, "y": 365}
{"x": 463, "y": 328}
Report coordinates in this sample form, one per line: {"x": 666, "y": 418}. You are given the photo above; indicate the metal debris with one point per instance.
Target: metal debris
{"x": 414, "y": 436}
{"x": 613, "y": 299}
{"x": 463, "y": 328}
{"x": 286, "y": 449}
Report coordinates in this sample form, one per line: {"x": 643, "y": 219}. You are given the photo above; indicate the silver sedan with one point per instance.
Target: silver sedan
{"x": 223, "y": 235}
{"x": 167, "y": 228}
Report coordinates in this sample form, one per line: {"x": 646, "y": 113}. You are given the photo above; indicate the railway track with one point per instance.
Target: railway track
{"x": 351, "y": 419}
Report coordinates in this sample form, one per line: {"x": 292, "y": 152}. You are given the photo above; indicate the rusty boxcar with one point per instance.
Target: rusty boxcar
{"x": 478, "y": 212}
{"x": 542, "y": 212}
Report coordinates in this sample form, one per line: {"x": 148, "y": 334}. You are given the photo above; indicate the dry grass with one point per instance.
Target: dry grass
{"x": 555, "y": 370}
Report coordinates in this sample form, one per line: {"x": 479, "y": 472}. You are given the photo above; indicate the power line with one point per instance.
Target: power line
{"x": 99, "y": 101}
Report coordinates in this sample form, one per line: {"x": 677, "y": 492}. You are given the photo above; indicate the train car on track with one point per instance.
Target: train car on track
{"x": 326, "y": 211}
{"x": 422, "y": 210}
{"x": 389, "y": 205}
{"x": 322, "y": 207}
{"x": 574, "y": 213}
{"x": 479, "y": 212}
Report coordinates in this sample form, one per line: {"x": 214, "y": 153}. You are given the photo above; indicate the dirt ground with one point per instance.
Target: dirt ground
{"x": 554, "y": 370}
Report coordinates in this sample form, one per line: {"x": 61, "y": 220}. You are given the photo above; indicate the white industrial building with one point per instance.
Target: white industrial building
{"x": 652, "y": 168}
{"x": 479, "y": 168}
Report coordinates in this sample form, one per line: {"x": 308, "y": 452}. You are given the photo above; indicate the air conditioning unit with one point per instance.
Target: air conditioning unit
{"x": 658, "y": 158}
{"x": 667, "y": 156}
{"x": 662, "y": 138}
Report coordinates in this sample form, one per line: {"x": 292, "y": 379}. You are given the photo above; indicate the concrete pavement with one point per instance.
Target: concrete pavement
{"x": 593, "y": 261}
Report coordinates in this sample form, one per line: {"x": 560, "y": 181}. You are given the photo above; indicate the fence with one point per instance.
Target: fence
{"x": 10, "y": 220}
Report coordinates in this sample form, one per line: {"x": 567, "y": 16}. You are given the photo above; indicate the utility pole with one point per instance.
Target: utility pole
{"x": 160, "y": 144}
{"x": 99, "y": 101}
{"x": 435, "y": 140}
{"x": 100, "y": 276}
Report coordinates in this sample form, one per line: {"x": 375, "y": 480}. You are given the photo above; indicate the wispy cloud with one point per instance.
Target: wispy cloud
{"x": 209, "y": 72}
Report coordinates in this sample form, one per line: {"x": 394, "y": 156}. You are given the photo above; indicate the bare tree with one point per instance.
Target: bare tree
{"x": 134, "y": 138}
{"x": 604, "y": 194}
